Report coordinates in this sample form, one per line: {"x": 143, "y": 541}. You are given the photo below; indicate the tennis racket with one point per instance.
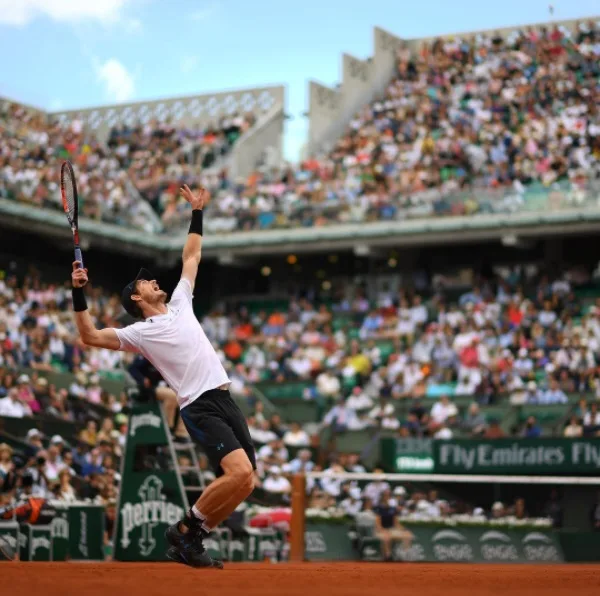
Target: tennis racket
{"x": 68, "y": 190}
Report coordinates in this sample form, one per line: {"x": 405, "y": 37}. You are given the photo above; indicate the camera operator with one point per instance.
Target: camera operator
{"x": 39, "y": 484}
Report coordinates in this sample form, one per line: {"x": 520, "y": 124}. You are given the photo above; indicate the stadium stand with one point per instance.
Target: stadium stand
{"x": 511, "y": 357}
{"x": 489, "y": 125}
{"x": 483, "y": 125}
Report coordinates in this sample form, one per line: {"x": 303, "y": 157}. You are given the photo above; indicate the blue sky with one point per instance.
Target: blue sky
{"x": 60, "y": 54}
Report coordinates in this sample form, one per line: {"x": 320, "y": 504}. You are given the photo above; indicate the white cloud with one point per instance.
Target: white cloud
{"x": 118, "y": 82}
{"x": 21, "y": 12}
{"x": 204, "y": 13}
{"x": 188, "y": 63}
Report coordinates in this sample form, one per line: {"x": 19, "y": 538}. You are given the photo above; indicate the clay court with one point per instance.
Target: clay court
{"x": 331, "y": 579}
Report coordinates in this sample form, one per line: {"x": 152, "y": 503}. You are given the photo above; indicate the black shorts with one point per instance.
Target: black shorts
{"x": 217, "y": 424}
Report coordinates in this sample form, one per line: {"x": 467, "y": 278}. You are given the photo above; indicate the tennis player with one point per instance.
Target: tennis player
{"x": 171, "y": 338}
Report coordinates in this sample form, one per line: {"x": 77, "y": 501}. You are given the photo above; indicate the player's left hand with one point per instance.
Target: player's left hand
{"x": 197, "y": 200}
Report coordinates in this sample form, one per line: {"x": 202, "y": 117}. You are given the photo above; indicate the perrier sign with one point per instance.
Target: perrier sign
{"x": 151, "y": 496}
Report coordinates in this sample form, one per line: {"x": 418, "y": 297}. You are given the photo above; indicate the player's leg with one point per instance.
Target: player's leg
{"x": 239, "y": 465}
{"x": 206, "y": 421}
{"x": 223, "y": 495}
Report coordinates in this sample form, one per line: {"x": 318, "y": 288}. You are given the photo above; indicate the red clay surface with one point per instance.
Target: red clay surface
{"x": 307, "y": 579}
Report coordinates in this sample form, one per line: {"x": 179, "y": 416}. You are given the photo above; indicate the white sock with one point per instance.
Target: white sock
{"x": 197, "y": 513}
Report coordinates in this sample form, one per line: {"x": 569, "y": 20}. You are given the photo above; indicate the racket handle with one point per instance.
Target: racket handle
{"x": 78, "y": 256}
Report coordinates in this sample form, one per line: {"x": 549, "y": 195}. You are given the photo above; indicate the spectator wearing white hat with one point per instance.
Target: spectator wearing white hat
{"x": 57, "y": 440}
{"x": 523, "y": 365}
{"x": 54, "y": 462}
{"x": 34, "y": 441}
{"x": 533, "y": 395}
{"x": 498, "y": 510}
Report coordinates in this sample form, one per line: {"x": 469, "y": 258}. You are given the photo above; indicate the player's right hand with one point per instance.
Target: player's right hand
{"x": 79, "y": 276}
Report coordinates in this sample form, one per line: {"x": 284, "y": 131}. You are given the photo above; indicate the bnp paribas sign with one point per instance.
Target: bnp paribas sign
{"x": 151, "y": 497}
{"x": 568, "y": 457}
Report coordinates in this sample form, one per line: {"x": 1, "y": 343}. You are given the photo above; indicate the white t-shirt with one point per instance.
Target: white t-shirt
{"x": 277, "y": 485}
{"x": 177, "y": 346}
{"x": 441, "y": 412}
{"x": 13, "y": 409}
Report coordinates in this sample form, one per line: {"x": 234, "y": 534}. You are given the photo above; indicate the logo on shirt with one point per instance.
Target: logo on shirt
{"x": 220, "y": 446}
{"x": 140, "y": 420}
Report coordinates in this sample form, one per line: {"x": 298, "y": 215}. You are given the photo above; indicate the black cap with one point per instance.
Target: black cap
{"x": 130, "y": 305}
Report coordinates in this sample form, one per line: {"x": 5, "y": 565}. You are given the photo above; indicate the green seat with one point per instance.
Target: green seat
{"x": 546, "y": 415}
{"x": 269, "y": 306}
{"x": 499, "y": 412}
{"x": 369, "y": 546}
{"x": 504, "y": 413}
{"x": 348, "y": 383}
{"x": 279, "y": 391}
{"x": 370, "y": 549}
{"x": 387, "y": 349}
{"x": 353, "y": 333}
{"x": 462, "y": 402}
{"x": 299, "y": 410}
{"x": 338, "y": 324}
{"x": 352, "y": 441}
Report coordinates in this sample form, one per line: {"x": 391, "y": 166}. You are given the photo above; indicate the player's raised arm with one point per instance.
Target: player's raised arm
{"x": 193, "y": 246}
{"x": 104, "y": 338}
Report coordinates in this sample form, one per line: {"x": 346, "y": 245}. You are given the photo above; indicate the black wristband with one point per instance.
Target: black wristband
{"x": 196, "y": 223}
{"x": 79, "y": 303}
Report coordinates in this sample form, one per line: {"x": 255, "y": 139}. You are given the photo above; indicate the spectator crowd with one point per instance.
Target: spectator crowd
{"x": 152, "y": 159}
{"x": 511, "y": 340}
{"x": 466, "y": 126}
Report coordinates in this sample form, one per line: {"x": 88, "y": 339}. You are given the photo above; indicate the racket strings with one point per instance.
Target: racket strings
{"x": 69, "y": 189}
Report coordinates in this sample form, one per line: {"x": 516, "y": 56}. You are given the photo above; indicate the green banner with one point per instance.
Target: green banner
{"x": 35, "y": 543}
{"x": 411, "y": 455}
{"x": 328, "y": 542}
{"x": 86, "y": 532}
{"x": 436, "y": 543}
{"x": 60, "y": 532}
{"x": 480, "y": 545}
{"x": 567, "y": 457}
{"x": 9, "y": 536}
{"x": 151, "y": 497}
